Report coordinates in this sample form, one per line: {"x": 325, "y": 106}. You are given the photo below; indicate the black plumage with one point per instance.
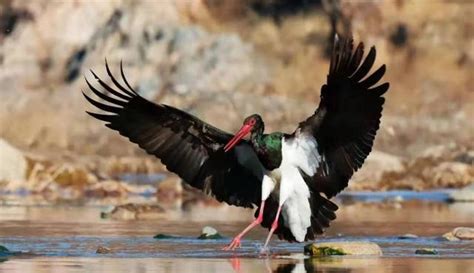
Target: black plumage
{"x": 187, "y": 146}
{"x": 348, "y": 116}
{"x": 344, "y": 127}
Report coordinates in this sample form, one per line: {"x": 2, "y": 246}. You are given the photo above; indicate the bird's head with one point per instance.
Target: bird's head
{"x": 251, "y": 124}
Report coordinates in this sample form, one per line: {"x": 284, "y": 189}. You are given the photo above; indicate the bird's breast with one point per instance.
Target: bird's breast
{"x": 275, "y": 174}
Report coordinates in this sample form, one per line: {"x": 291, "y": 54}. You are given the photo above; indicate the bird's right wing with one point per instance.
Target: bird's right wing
{"x": 187, "y": 145}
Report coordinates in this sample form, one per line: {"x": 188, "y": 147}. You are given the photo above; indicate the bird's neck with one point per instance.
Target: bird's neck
{"x": 268, "y": 148}
{"x": 257, "y": 139}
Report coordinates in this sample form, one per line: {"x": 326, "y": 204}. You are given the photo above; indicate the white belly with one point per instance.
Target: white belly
{"x": 299, "y": 153}
{"x": 294, "y": 198}
{"x": 286, "y": 183}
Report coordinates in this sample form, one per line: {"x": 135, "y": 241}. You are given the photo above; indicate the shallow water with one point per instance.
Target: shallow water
{"x": 239, "y": 265}
{"x": 65, "y": 237}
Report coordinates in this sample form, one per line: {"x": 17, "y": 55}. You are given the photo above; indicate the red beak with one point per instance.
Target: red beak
{"x": 240, "y": 134}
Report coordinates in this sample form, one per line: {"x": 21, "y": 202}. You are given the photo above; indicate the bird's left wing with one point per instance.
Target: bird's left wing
{"x": 187, "y": 145}
{"x": 344, "y": 125}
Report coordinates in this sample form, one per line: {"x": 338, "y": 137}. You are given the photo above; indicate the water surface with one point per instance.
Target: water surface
{"x": 64, "y": 238}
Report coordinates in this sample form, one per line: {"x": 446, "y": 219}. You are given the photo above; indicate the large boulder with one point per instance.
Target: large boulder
{"x": 465, "y": 194}
{"x": 132, "y": 211}
{"x": 162, "y": 55}
{"x": 375, "y": 166}
{"x": 451, "y": 174}
{"x": 13, "y": 163}
{"x": 460, "y": 233}
{"x": 342, "y": 248}
{"x": 149, "y": 37}
{"x": 436, "y": 167}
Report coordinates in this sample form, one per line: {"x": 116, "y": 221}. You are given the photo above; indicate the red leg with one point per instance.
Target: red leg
{"x": 236, "y": 241}
{"x": 273, "y": 228}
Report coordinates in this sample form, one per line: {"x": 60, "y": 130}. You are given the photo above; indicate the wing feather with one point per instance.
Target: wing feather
{"x": 185, "y": 144}
{"x": 348, "y": 117}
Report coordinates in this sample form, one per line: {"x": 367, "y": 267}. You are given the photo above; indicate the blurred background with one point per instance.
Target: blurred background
{"x": 223, "y": 60}
{"x": 69, "y": 186}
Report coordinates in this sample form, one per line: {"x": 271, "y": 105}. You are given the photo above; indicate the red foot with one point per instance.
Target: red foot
{"x": 233, "y": 245}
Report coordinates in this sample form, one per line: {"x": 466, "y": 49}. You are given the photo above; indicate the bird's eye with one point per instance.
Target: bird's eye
{"x": 252, "y": 122}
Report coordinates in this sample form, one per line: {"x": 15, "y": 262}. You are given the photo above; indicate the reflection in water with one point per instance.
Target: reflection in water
{"x": 307, "y": 265}
{"x": 311, "y": 266}
{"x": 66, "y": 244}
{"x": 290, "y": 268}
{"x": 247, "y": 265}
{"x": 350, "y": 264}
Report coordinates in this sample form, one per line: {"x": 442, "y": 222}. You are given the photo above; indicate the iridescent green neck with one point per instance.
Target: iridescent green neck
{"x": 268, "y": 148}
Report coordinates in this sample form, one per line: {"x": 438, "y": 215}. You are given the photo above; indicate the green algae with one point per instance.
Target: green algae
{"x": 322, "y": 251}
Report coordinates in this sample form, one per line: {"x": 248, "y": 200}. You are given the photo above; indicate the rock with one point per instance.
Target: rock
{"x": 209, "y": 233}
{"x": 113, "y": 166}
{"x": 465, "y": 157}
{"x": 160, "y": 52}
{"x": 172, "y": 50}
{"x": 70, "y": 175}
{"x": 450, "y": 237}
{"x": 112, "y": 188}
{"x": 194, "y": 59}
{"x": 465, "y": 194}
{"x": 4, "y": 250}
{"x": 464, "y": 233}
{"x": 134, "y": 211}
{"x": 107, "y": 188}
{"x": 376, "y": 164}
{"x": 407, "y": 236}
{"x": 13, "y": 165}
{"x": 105, "y": 23}
{"x": 105, "y": 214}
{"x": 119, "y": 213}
{"x": 437, "y": 151}
{"x": 322, "y": 251}
{"x": 451, "y": 174}
{"x": 342, "y": 248}
{"x": 426, "y": 251}
{"x": 460, "y": 233}
{"x": 170, "y": 188}
{"x": 162, "y": 236}
{"x": 103, "y": 250}
{"x": 208, "y": 63}
{"x": 428, "y": 171}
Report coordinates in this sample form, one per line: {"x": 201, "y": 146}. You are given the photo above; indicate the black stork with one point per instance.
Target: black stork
{"x": 289, "y": 177}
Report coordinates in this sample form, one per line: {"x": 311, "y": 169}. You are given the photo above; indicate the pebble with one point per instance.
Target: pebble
{"x": 103, "y": 250}
{"x": 209, "y": 233}
{"x": 426, "y": 251}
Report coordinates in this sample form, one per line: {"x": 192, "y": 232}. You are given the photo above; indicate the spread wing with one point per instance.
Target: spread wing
{"x": 348, "y": 117}
{"x": 187, "y": 146}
